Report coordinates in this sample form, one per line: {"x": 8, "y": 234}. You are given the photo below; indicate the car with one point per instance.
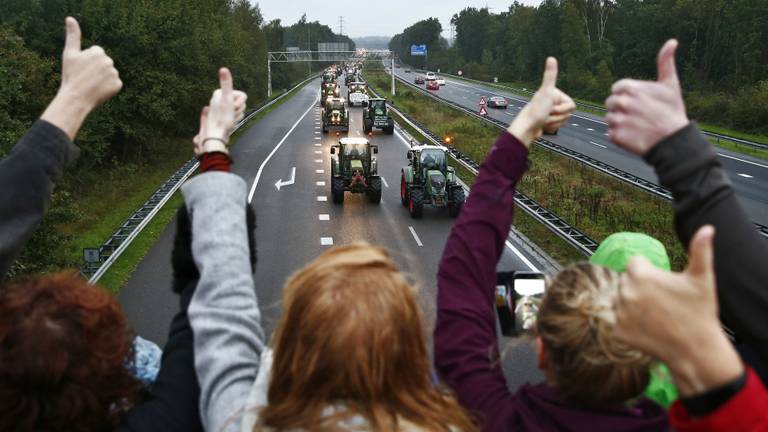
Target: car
{"x": 418, "y": 80}
{"x": 354, "y": 168}
{"x": 432, "y": 84}
{"x": 440, "y": 81}
{"x": 431, "y": 76}
{"x": 407, "y": 70}
{"x": 497, "y": 102}
{"x": 428, "y": 180}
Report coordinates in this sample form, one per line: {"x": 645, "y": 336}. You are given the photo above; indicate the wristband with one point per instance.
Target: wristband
{"x": 705, "y": 403}
{"x": 214, "y": 139}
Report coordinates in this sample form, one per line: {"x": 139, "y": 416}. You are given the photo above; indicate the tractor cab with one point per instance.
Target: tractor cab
{"x": 428, "y": 180}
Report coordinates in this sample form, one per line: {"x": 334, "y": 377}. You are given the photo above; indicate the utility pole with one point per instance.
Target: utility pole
{"x": 341, "y": 26}
{"x": 309, "y": 48}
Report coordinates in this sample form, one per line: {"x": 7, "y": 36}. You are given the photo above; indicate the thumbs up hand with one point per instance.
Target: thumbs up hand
{"x": 549, "y": 108}
{"x": 674, "y": 318}
{"x": 643, "y": 113}
{"x": 88, "y": 79}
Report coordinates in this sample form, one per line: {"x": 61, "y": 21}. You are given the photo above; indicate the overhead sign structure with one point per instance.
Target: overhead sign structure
{"x": 418, "y": 50}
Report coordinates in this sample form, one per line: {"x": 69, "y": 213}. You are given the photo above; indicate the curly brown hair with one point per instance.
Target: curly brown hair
{"x": 63, "y": 351}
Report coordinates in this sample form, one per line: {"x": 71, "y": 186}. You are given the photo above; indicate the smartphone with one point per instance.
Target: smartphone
{"x": 518, "y": 298}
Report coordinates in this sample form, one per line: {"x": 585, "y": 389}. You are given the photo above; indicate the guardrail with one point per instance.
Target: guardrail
{"x": 527, "y": 92}
{"x": 119, "y": 241}
{"x": 612, "y": 171}
{"x": 576, "y": 238}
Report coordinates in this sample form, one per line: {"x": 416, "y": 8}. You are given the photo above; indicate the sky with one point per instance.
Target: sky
{"x": 375, "y": 17}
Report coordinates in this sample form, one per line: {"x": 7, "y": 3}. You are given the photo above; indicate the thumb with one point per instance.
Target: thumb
{"x": 72, "y": 41}
{"x": 225, "y": 83}
{"x": 700, "y": 252}
{"x": 665, "y": 64}
{"x": 550, "y": 73}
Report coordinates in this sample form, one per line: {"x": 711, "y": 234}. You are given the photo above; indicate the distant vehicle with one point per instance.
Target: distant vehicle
{"x": 354, "y": 169}
{"x": 497, "y": 102}
{"x": 358, "y": 94}
{"x": 397, "y": 65}
{"x": 330, "y": 91}
{"x": 335, "y": 115}
{"x": 377, "y": 116}
{"x": 431, "y": 76}
{"x": 428, "y": 180}
{"x": 440, "y": 81}
{"x": 418, "y": 80}
{"x": 407, "y": 70}
{"x": 432, "y": 84}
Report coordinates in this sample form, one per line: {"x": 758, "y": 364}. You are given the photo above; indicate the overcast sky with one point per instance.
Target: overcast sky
{"x": 374, "y": 17}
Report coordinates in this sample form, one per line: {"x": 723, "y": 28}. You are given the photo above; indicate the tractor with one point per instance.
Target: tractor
{"x": 329, "y": 91}
{"x": 375, "y": 115}
{"x": 335, "y": 115}
{"x": 354, "y": 169}
{"x": 428, "y": 180}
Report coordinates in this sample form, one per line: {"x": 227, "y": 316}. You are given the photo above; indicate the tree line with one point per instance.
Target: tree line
{"x": 167, "y": 53}
{"x": 723, "y": 54}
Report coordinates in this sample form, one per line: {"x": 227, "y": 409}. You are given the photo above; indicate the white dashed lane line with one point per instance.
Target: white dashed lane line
{"x": 590, "y": 129}
{"x": 326, "y": 241}
{"x": 319, "y": 171}
{"x": 318, "y": 152}
{"x": 322, "y": 198}
{"x": 745, "y": 175}
{"x": 318, "y": 161}
{"x": 575, "y": 124}
{"x": 383, "y": 180}
{"x": 320, "y": 183}
{"x": 415, "y": 236}
{"x": 323, "y": 217}
{"x": 596, "y": 144}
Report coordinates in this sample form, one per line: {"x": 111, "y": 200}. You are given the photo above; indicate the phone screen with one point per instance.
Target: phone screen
{"x": 518, "y": 298}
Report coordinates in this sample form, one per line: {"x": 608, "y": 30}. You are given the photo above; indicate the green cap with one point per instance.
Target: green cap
{"x": 616, "y": 250}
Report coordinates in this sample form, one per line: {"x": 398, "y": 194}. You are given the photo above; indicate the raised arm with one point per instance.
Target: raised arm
{"x": 28, "y": 174}
{"x": 466, "y": 347}
{"x": 649, "y": 119}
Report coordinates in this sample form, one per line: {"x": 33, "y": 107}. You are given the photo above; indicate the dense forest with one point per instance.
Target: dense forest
{"x": 723, "y": 54}
{"x": 167, "y": 53}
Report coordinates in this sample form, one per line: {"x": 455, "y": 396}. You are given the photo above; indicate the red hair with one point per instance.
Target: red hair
{"x": 63, "y": 351}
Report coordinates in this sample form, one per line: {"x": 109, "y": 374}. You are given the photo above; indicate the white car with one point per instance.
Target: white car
{"x": 440, "y": 81}
{"x": 430, "y": 76}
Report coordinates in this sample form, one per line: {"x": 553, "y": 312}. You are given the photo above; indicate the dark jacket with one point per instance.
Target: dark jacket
{"x": 687, "y": 164}
{"x": 465, "y": 338}
{"x": 28, "y": 175}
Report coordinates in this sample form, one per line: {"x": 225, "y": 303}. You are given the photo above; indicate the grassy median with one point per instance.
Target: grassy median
{"x": 595, "y": 203}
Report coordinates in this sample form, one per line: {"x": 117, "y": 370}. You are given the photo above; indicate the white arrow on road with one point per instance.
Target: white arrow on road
{"x": 281, "y": 183}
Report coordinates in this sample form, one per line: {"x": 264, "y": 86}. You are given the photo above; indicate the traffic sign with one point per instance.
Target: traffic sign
{"x": 483, "y": 111}
{"x": 418, "y": 50}
{"x": 482, "y": 100}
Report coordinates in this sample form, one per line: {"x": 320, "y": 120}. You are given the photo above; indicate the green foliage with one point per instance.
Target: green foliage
{"x": 723, "y": 53}
{"x": 425, "y": 32}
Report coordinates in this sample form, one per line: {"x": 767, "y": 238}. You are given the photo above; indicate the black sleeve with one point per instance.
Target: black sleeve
{"x": 27, "y": 176}
{"x": 687, "y": 164}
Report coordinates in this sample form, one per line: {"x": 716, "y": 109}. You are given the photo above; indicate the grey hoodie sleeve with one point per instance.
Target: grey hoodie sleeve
{"x": 28, "y": 175}
{"x": 224, "y": 313}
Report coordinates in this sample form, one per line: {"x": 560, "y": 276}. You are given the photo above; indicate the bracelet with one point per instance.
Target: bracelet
{"x": 214, "y": 139}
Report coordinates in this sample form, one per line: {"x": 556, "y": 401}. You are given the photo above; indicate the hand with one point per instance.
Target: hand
{"x": 674, "y": 317}
{"x": 643, "y": 113}
{"x": 548, "y": 110}
{"x": 88, "y": 79}
{"x": 226, "y": 109}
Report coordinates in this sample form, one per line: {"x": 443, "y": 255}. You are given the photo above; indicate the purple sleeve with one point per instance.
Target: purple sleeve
{"x": 466, "y": 346}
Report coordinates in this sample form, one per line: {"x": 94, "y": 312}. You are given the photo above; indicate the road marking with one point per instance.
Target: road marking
{"x": 745, "y": 175}
{"x": 383, "y": 180}
{"x": 575, "y": 124}
{"x": 596, "y": 144}
{"x": 590, "y": 129}
{"x": 415, "y": 236}
{"x": 326, "y": 241}
{"x": 318, "y": 152}
{"x": 274, "y": 150}
{"x": 319, "y": 171}
{"x": 324, "y": 217}
{"x": 742, "y": 160}
{"x": 606, "y": 134}
{"x": 318, "y": 145}
{"x": 322, "y": 198}
{"x": 317, "y": 127}
{"x": 320, "y": 183}
{"x": 509, "y": 113}
{"x": 280, "y": 183}
{"x": 318, "y": 138}
{"x": 521, "y": 256}
{"x": 318, "y": 161}
{"x": 317, "y": 133}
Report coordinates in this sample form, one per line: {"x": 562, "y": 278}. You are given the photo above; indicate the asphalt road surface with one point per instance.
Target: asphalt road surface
{"x": 298, "y": 221}
{"x": 588, "y": 135}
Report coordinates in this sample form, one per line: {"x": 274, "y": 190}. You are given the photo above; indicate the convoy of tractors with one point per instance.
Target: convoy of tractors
{"x": 425, "y": 180}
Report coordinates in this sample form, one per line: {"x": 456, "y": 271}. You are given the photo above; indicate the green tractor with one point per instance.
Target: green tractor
{"x": 375, "y": 115}
{"x": 329, "y": 91}
{"x": 354, "y": 169}
{"x": 428, "y": 180}
{"x": 335, "y": 115}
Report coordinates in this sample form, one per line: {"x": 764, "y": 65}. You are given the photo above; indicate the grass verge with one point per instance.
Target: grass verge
{"x": 106, "y": 221}
{"x": 597, "y": 204}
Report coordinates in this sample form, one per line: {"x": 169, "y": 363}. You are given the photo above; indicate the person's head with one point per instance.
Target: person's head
{"x": 352, "y": 334}
{"x": 63, "y": 351}
{"x": 577, "y": 349}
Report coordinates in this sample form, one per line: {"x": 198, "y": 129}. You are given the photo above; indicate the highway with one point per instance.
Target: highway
{"x": 298, "y": 221}
{"x": 588, "y": 135}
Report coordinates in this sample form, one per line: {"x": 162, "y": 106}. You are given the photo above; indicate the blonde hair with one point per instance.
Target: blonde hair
{"x": 575, "y": 323}
{"x": 352, "y": 335}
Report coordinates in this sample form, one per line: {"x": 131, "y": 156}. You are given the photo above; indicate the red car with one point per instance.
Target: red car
{"x": 433, "y": 85}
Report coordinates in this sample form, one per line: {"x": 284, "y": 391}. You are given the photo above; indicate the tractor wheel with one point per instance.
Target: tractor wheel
{"x": 374, "y": 190}
{"x": 416, "y": 203}
{"x": 367, "y": 126}
{"x": 365, "y": 105}
{"x": 405, "y": 198}
{"x": 325, "y": 128}
{"x": 390, "y": 129}
{"x": 457, "y": 201}
{"x": 337, "y": 190}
